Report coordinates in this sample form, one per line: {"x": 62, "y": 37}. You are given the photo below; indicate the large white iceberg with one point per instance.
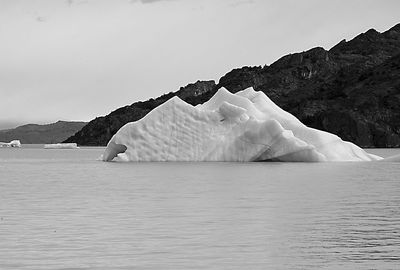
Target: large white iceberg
{"x": 13, "y": 143}
{"x": 246, "y": 126}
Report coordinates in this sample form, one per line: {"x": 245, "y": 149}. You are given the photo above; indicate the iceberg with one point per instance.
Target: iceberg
{"x": 246, "y": 126}
{"x": 61, "y": 146}
{"x": 14, "y": 143}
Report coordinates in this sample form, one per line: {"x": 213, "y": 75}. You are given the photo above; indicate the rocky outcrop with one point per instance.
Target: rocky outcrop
{"x": 352, "y": 90}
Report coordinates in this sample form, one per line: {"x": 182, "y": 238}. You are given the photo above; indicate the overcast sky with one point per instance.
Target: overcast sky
{"x": 79, "y": 59}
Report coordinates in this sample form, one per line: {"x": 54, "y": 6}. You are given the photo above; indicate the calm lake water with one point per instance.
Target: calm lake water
{"x": 62, "y": 209}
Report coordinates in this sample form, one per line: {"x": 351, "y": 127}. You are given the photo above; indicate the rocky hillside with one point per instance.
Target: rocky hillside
{"x": 51, "y": 133}
{"x": 352, "y": 90}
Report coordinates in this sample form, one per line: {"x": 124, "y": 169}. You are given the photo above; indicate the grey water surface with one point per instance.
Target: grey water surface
{"x": 63, "y": 209}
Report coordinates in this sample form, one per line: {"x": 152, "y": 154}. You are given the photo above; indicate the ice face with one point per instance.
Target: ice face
{"x": 246, "y": 126}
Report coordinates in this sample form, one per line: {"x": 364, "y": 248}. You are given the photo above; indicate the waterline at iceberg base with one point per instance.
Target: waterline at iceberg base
{"x": 246, "y": 126}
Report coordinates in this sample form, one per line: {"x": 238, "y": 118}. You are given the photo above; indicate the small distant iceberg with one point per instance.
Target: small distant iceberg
{"x": 61, "y": 146}
{"x": 14, "y": 143}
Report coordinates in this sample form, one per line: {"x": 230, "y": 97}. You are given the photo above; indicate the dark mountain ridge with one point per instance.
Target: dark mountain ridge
{"x": 352, "y": 90}
{"x": 50, "y": 133}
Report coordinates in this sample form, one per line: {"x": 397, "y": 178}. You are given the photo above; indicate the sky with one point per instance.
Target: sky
{"x": 80, "y": 59}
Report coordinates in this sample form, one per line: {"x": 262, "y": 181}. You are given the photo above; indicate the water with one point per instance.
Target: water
{"x": 62, "y": 209}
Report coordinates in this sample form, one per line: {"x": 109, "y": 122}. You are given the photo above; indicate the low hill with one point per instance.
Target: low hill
{"x": 352, "y": 90}
{"x": 50, "y": 133}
